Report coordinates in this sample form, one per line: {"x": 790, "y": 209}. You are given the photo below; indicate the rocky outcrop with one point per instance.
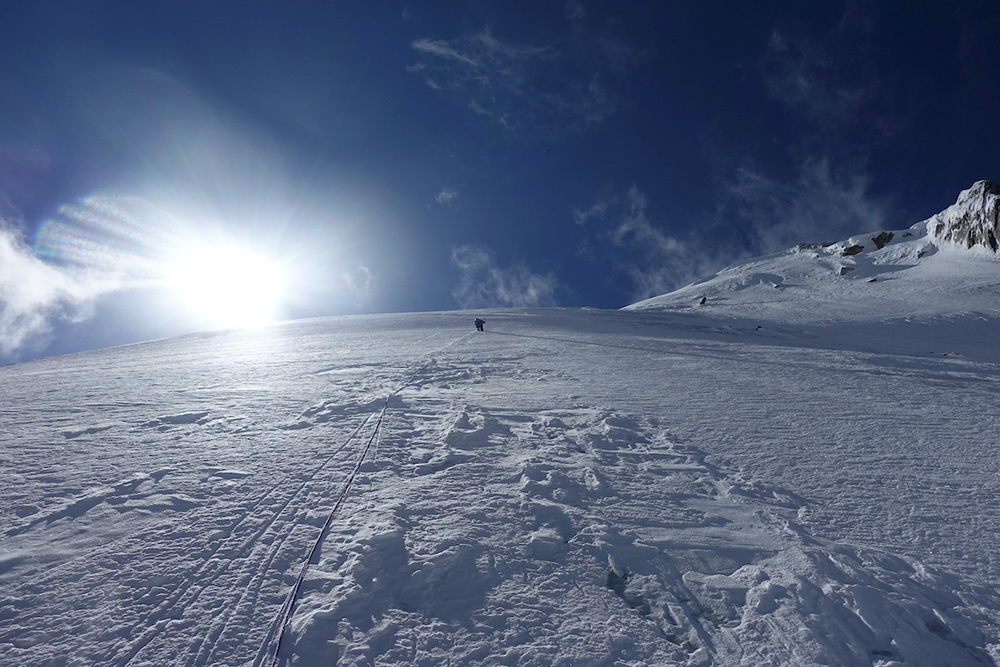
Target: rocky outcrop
{"x": 882, "y": 239}
{"x": 852, "y": 250}
{"x": 973, "y": 220}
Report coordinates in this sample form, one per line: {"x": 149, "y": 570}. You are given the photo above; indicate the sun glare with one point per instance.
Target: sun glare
{"x": 227, "y": 287}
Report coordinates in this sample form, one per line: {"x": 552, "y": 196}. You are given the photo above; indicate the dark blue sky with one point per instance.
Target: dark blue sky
{"x": 391, "y": 156}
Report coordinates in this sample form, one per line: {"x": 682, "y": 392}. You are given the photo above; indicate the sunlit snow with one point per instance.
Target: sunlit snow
{"x": 569, "y": 487}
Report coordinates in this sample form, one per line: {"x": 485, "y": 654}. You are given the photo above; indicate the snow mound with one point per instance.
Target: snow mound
{"x": 944, "y": 266}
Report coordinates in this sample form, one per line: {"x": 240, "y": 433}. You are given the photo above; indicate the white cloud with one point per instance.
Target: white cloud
{"x": 824, "y": 85}
{"x": 34, "y": 294}
{"x": 484, "y": 284}
{"x": 623, "y": 235}
{"x": 574, "y": 10}
{"x": 443, "y": 49}
{"x": 821, "y": 205}
{"x": 804, "y": 75}
{"x": 361, "y": 283}
{"x": 446, "y": 196}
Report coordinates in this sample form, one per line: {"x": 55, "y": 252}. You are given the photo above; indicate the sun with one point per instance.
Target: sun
{"x": 227, "y": 286}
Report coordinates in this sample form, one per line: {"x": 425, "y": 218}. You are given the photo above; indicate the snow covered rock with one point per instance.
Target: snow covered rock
{"x": 973, "y": 220}
{"x": 882, "y": 239}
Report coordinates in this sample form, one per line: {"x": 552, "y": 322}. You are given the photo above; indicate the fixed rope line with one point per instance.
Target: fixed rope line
{"x": 285, "y": 615}
{"x": 284, "y": 608}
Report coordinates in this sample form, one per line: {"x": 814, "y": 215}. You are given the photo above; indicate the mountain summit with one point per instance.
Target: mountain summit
{"x": 946, "y": 265}
{"x": 973, "y": 220}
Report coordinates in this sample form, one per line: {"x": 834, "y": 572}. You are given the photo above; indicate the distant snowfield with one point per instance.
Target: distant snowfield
{"x": 571, "y": 487}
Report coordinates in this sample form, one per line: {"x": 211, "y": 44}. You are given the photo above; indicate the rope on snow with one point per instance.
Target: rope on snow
{"x": 277, "y": 631}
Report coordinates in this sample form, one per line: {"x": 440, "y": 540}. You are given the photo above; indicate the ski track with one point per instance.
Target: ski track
{"x": 562, "y": 490}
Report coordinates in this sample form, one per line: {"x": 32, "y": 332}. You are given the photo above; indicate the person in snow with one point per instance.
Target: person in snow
{"x": 479, "y": 324}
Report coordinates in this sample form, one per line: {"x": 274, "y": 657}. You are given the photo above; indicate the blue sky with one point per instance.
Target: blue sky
{"x": 393, "y": 156}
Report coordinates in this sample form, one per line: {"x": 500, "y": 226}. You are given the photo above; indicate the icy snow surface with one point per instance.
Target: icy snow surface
{"x": 571, "y": 487}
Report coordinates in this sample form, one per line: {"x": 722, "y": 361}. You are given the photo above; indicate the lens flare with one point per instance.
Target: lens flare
{"x": 219, "y": 280}
{"x": 105, "y": 236}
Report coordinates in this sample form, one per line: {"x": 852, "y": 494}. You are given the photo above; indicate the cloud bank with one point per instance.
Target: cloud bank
{"x": 484, "y": 284}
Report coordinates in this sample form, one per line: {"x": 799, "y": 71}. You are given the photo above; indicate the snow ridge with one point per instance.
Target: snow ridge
{"x": 946, "y": 265}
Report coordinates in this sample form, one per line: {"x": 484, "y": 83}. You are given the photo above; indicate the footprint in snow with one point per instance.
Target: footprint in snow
{"x": 473, "y": 428}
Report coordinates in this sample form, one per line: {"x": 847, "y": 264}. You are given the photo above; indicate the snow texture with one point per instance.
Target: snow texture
{"x": 760, "y": 480}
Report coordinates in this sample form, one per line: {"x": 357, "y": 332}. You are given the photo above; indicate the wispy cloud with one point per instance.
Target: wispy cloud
{"x": 573, "y": 10}
{"x": 805, "y": 75}
{"x": 446, "y": 196}
{"x": 483, "y": 283}
{"x": 836, "y": 113}
{"x": 34, "y": 295}
{"x": 361, "y": 283}
{"x": 621, "y": 234}
{"x": 524, "y": 88}
{"x": 443, "y": 49}
{"x": 774, "y": 215}
{"x": 821, "y": 205}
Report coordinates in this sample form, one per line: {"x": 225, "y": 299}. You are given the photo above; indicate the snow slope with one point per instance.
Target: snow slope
{"x": 802, "y": 470}
{"x": 571, "y": 487}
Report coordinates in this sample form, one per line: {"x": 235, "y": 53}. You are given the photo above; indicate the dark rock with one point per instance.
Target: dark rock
{"x": 813, "y": 246}
{"x": 882, "y": 239}
{"x": 852, "y": 250}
